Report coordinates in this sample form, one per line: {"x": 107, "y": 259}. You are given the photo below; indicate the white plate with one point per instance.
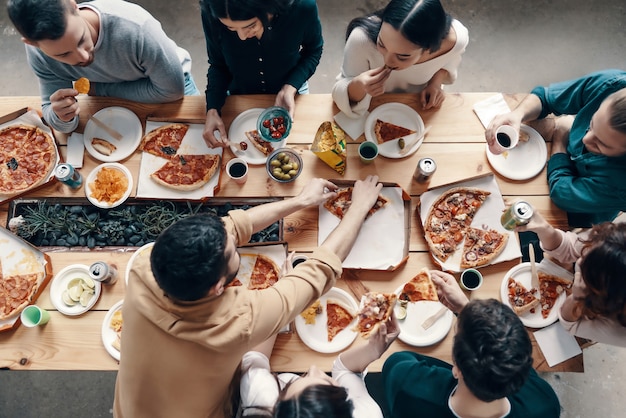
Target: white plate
{"x": 244, "y": 122}
{"x": 315, "y": 336}
{"x": 411, "y": 331}
{"x": 398, "y": 114}
{"x": 521, "y": 273}
{"x": 122, "y": 120}
{"x": 524, "y": 161}
{"x": 59, "y": 284}
{"x": 108, "y": 335}
{"x": 133, "y": 257}
{"x": 92, "y": 177}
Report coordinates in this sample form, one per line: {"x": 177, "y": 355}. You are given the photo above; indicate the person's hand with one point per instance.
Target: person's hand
{"x": 212, "y": 124}
{"x": 317, "y": 191}
{"x": 286, "y": 99}
{"x": 364, "y": 194}
{"x": 64, "y": 104}
{"x": 560, "y": 136}
{"x": 448, "y": 290}
{"x": 386, "y": 334}
{"x": 287, "y": 264}
{"x": 432, "y": 97}
{"x": 537, "y": 223}
{"x": 512, "y": 118}
{"x": 579, "y": 288}
{"x": 373, "y": 81}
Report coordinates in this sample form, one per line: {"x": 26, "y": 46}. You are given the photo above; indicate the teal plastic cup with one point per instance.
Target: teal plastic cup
{"x": 33, "y": 315}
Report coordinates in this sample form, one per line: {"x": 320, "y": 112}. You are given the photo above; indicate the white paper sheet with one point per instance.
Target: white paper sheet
{"x": 353, "y": 127}
{"x": 490, "y": 107}
{"x": 556, "y": 344}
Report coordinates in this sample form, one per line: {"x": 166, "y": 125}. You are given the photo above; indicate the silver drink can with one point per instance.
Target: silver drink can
{"x": 67, "y": 175}
{"x": 518, "y": 214}
{"x": 102, "y": 272}
{"x": 424, "y": 170}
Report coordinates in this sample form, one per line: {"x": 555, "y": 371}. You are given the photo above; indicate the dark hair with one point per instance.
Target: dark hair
{"x": 491, "y": 349}
{"x": 603, "y": 269}
{"x": 422, "y": 22}
{"x": 38, "y": 20}
{"x": 617, "y": 116}
{"x": 315, "y": 401}
{"x": 188, "y": 257}
{"x": 245, "y": 9}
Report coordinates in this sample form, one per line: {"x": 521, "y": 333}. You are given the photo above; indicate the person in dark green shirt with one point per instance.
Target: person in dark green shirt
{"x": 491, "y": 374}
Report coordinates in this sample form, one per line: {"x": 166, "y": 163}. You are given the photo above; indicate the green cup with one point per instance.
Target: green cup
{"x": 33, "y": 315}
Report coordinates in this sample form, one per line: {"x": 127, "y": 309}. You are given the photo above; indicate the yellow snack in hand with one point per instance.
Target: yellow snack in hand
{"x": 82, "y": 85}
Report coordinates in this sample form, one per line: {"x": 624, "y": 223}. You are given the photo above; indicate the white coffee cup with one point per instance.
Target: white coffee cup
{"x": 237, "y": 169}
{"x": 507, "y": 138}
{"x": 471, "y": 279}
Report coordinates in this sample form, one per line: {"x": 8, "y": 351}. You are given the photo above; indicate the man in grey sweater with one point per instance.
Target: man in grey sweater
{"x": 117, "y": 45}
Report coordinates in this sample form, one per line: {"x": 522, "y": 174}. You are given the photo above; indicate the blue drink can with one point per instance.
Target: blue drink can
{"x": 67, "y": 175}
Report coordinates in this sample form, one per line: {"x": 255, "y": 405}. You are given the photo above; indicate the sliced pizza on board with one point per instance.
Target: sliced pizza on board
{"x": 375, "y": 309}
{"x": 482, "y": 246}
{"x": 340, "y": 203}
{"x": 264, "y": 273}
{"x": 187, "y": 172}
{"x": 165, "y": 140}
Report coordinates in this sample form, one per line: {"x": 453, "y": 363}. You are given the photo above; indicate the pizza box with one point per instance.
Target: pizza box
{"x": 27, "y": 116}
{"x": 19, "y": 257}
{"x": 383, "y": 241}
{"x": 193, "y": 143}
{"x": 487, "y": 216}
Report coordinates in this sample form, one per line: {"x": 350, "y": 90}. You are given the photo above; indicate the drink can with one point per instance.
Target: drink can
{"x": 103, "y": 272}
{"x": 67, "y": 175}
{"x": 424, "y": 170}
{"x": 519, "y": 213}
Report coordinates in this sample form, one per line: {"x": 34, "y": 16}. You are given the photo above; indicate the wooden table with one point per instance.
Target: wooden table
{"x": 456, "y": 142}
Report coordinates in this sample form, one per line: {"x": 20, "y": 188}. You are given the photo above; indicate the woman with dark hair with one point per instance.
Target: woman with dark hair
{"x": 314, "y": 394}
{"x": 596, "y": 308}
{"x": 258, "y": 47}
{"x": 409, "y": 46}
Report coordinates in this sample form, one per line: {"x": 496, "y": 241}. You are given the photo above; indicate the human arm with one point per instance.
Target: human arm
{"x": 572, "y": 308}
{"x": 529, "y": 109}
{"x": 286, "y": 99}
{"x": 448, "y": 290}
{"x": 550, "y": 237}
{"x": 356, "y": 359}
{"x": 213, "y": 123}
{"x": 219, "y": 75}
{"x": 432, "y": 96}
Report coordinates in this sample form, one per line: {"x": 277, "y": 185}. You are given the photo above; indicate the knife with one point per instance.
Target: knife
{"x": 534, "y": 276}
{"x": 115, "y": 134}
{"x": 415, "y": 140}
{"x": 428, "y": 322}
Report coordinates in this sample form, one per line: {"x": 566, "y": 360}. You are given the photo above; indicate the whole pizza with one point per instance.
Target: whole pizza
{"x": 27, "y": 157}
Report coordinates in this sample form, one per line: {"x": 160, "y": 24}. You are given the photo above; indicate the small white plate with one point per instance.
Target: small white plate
{"x": 524, "y": 161}
{"x": 59, "y": 285}
{"x": 244, "y": 122}
{"x": 122, "y": 120}
{"x": 411, "y": 331}
{"x": 315, "y": 336}
{"x": 521, "y": 273}
{"x": 398, "y": 114}
{"x": 108, "y": 334}
{"x": 133, "y": 257}
{"x": 92, "y": 177}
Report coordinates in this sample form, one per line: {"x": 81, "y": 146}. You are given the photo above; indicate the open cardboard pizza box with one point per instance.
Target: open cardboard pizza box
{"x": 19, "y": 257}
{"x": 383, "y": 240}
{"x": 27, "y": 116}
{"x": 487, "y": 217}
{"x": 192, "y": 144}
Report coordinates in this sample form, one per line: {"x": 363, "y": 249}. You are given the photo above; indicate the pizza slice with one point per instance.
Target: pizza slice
{"x": 17, "y": 293}
{"x": 420, "y": 287}
{"x": 264, "y": 273}
{"x": 550, "y": 288}
{"x": 386, "y": 131}
{"x": 482, "y": 246}
{"x": 338, "y": 318}
{"x": 259, "y": 143}
{"x": 165, "y": 140}
{"x": 521, "y": 299}
{"x": 375, "y": 309}
{"x": 340, "y": 204}
{"x": 187, "y": 172}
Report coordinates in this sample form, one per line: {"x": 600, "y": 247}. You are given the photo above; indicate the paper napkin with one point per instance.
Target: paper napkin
{"x": 75, "y": 150}
{"x": 490, "y": 107}
{"x": 556, "y": 344}
{"x": 353, "y": 127}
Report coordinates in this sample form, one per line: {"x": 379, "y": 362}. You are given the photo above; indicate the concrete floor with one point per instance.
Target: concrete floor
{"x": 514, "y": 46}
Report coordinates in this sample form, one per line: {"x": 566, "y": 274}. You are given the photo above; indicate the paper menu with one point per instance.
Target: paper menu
{"x": 556, "y": 344}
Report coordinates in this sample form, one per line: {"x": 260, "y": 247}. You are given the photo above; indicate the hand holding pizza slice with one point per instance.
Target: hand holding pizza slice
{"x": 420, "y": 287}
{"x": 375, "y": 309}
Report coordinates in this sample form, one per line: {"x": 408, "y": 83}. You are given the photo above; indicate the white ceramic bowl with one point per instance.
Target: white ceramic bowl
{"x": 92, "y": 178}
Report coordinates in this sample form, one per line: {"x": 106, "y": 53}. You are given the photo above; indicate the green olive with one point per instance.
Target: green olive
{"x": 275, "y": 163}
{"x": 295, "y": 165}
{"x": 287, "y": 167}
{"x": 281, "y": 156}
{"x": 292, "y": 172}
{"x": 286, "y": 176}
{"x": 401, "y": 143}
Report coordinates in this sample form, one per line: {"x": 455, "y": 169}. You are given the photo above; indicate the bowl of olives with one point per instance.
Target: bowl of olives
{"x": 284, "y": 165}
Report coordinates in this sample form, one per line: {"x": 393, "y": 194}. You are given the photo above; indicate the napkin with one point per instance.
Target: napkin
{"x": 490, "y": 107}
{"x": 353, "y": 127}
{"x": 556, "y": 344}
{"x": 75, "y": 150}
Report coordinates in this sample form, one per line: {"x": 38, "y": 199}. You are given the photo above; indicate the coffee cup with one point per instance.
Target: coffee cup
{"x": 368, "y": 151}
{"x": 237, "y": 169}
{"x": 507, "y": 138}
{"x": 471, "y": 279}
{"x": 33, "y": 315}
{"x": 298, "y": 259}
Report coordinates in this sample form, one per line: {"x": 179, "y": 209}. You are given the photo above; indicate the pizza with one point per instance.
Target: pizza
{"x": 385, "y": 131}
{"x": 264, "y": 273}
{"x": 340, "y": 204}
{"x": 522, "y": 300}
{"x": 375, "y": 309}
{"x": 259, "y": 143}
{"x": 165, "y": 140}
{"x": 420, "y": 287}
{"x": 27, "y": 157}
{"x": 187, "y": 172}
{"x": 16, "y": 292}
{"x": 338, "y": 318}
{"x": 550, "y": 288}
{"x": 103, "y": 146}
{"x": 449, "y": 218}
{"x": 482, "y": 246}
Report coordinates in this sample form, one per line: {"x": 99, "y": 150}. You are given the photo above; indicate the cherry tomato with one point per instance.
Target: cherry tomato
{"x": 243, "y": 145}
{"x": 267, "y": 123}
{"x": 276, "y": 134}
{"x": 281, "y": 129}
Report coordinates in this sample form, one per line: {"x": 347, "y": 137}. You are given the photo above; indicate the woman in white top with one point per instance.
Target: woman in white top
{"x": 596, "y": 308}
{"x": 409, "y": 46}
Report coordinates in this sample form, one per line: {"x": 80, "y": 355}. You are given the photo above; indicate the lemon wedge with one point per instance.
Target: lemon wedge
{"x": 65, "y": 297}
{"x": 75, "y": 292}
{"x": 400, "y": 312}
{"x": 85, "y": 297}
{"x": 88, "y": 283}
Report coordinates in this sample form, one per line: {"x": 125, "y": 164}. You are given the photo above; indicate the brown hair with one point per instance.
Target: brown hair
{"x": 617, "y": 117}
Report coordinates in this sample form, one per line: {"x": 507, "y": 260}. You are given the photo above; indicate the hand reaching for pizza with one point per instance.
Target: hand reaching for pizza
{"x": 212, "y": 124}
{"x": 448, "y": 290}
{"x": 386, "y": 334}
{"x": 316, "y": 191}
{"x": 365, "y": 194}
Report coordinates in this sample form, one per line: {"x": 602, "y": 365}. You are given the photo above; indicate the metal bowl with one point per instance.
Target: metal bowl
{"x": 274, "y": 124}
{"x": 278, "y": 163}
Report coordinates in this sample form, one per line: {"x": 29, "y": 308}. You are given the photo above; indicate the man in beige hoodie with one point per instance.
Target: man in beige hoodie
{"x": 185, "y": 331}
